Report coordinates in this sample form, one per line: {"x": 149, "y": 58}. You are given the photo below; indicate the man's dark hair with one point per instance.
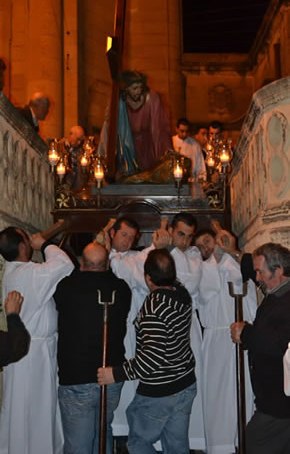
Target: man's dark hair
{"x": 187, "y": 218}
{"x": 216, "y": 125}
{"x": 276, "y": 256}
{"x": 160, "y": 266}
{"x": 127, "y": 221}
{"x": 202, "y": 232}
{"x": 183, "y": 121}
{"x": 197, "y": 127}
{"x": 10, "y": 238}
{"x": 128, "y": 78}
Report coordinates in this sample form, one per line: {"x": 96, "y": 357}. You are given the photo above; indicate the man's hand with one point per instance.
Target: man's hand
{"x": 13, "y": 302}
{"x": 161, "y": 238}
{"x": 236, "y": 331}
{"x": 105, "y": 376}
{"x": 225, "y": 240}
{"x": 36, "y": 241}
{"x": 103, "y": 237}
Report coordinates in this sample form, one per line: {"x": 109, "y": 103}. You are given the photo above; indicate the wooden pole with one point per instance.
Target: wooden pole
{"x": 103, "y": 388}
{"x": 115, "y": 57}
{"x": 240, "y": 371}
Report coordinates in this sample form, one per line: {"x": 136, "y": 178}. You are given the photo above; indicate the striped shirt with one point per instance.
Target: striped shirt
{"x": 164, "y": 362}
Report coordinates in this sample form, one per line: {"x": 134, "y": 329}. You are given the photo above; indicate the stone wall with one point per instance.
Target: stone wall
{"x": 260, "y": 182}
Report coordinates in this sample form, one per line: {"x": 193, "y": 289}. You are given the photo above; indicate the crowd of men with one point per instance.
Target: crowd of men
{"x": 170, "y": 337}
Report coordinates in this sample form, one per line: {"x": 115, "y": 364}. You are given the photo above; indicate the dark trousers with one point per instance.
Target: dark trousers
{"x": 267, "y": 435}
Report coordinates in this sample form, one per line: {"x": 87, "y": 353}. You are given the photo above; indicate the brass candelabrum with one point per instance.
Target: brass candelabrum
{"x": 219, "y": 154}
{"x": 61, "y": 155}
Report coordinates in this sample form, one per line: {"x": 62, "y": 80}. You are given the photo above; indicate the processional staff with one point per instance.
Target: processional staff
{"x": 240, "y": 370}
{"x": 103, "y": 388}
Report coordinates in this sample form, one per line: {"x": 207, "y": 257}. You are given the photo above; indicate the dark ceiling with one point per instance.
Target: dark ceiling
{"x": 221, "y": 26}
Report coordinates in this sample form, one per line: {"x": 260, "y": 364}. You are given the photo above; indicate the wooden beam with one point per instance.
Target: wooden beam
{"x": 115, "y": 57}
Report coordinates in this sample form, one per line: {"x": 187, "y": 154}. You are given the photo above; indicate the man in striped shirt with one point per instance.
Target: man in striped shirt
{"x": 163, "y": 363}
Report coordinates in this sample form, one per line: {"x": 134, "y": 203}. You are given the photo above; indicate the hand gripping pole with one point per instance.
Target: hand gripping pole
{"x": 240, "y": 370}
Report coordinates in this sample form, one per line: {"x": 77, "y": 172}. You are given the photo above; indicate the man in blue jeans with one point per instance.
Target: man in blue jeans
{"x": 163, "y": 363}
{"x": 80, "y": 330}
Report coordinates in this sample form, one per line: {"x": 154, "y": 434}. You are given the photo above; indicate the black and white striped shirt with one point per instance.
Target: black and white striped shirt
{"x": 164, "y": 362}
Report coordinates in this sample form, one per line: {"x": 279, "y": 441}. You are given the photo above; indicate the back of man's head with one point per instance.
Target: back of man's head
{"x": 10, "y": 238}
{"x": 160, "y": 267}
{"x": 94, "y": 258}
{"x": 40, "y": 104}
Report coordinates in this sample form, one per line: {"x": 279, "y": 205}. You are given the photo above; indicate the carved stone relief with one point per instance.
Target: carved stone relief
{"x": 260, "y": 185}
{"x": 220, "y": 99}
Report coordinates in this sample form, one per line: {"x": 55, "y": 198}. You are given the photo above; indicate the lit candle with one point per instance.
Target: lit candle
{"x": 53, "y": 157}
{"x": 178, "y": 172}
{"x": 84, "y": 161}
{"x": 99, "y": 173}
{"x": 210, "y": 161}
{"x": 224, "y": 157}
{"x": 60, "y": 170}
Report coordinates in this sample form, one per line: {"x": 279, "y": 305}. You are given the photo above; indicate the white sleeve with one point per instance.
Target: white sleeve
{"x": 130, "y": 267}
{"x": 48, "y": 274}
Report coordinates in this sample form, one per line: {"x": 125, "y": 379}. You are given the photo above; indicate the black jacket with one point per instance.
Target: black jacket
{"x": 26, "y": 113}
{"x": 80, "y": 324}
{"x": 14, "y": 344}
{"x": 267, "y": 340}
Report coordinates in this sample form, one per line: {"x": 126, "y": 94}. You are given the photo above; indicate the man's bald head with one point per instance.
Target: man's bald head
{"x": 76, "y": 134}
{"x": 94, "y": 258}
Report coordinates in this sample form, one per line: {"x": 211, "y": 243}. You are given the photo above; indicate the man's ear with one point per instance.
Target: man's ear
{"x": 279, "y": 271}
{"x": 148, "y": 281}
{"x": 170, "y": 230}
{"x": 112, "y": 233}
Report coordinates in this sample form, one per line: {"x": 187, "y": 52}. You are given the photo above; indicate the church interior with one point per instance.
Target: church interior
{"x": 208, "y": 61}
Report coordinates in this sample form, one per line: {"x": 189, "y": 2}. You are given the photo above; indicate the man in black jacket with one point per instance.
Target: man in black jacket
{"x": 36, "y": 110}
{"x": 268, "y": 432}
{"x": 14, "y": 343}
{"x": 79, "y": 301}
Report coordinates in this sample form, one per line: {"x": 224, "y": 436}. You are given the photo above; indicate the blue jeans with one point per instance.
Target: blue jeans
{"x": 160, "y": 418}
{"x": 79, "y": 406}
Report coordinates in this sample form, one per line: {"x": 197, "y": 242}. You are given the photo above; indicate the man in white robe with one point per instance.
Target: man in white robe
{"x": 130, "y": 266}
{"x": 127, "y": 264}
{"x": 217, "y": 312}
{"x": 30, "y": 419}
{"x": 189, "y": 148}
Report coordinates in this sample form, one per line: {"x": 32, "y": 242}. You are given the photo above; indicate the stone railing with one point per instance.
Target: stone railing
{"x": 260, "y": 181}
{"x": 26, "y": 185}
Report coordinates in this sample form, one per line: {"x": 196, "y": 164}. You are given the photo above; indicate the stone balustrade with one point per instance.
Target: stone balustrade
{"x": 26, "y": 184}
{"x": 260, "y": 181}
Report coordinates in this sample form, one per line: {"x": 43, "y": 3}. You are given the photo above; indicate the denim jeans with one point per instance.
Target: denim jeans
{"x": 160, "y": 418}
{"x": 79, "y": 406}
